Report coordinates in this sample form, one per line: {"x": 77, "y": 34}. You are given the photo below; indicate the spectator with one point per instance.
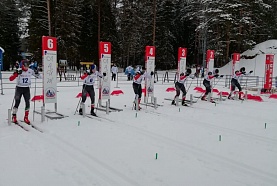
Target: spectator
{"x": 114, "y": 72}
{"x": 129, "y": 71}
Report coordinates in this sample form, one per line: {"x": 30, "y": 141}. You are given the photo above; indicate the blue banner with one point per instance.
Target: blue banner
{"x": 1, "y": 59}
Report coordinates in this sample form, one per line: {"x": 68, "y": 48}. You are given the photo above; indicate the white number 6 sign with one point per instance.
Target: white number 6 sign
{"x": 50, "y": 44}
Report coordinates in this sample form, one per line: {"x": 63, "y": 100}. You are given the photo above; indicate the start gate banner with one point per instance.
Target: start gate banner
{"x": 49, "y": 63}
{"x": 150, "y": 53}
{"x": 182, "y": 60}
{"x": 210, "y": 60}
{"x": 268, "y": 71}
{"x": 105, "y": 53}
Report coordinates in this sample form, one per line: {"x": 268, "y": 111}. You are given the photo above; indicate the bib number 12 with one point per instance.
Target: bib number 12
{"x": 25, "y": 80}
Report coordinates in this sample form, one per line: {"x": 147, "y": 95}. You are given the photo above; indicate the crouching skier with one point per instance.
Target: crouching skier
{"x": 23, "y": 84}
{"x": 180, "y": 86}
{"x": 235, "y": 82}
{"x": 89, "y": 78}
{"x": 137, "y": 80}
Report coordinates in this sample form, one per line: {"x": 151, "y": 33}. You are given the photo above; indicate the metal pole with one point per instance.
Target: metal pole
{"x": 2, "y": 93}
{"x": 9, "y": 116}
{"x": 99, "y": 21}
{"x": 49, "y": 17}
{"x": 155, "y": 103}
{"x": 42, "y": 114}
{"x": 107, "y": 107}
{"x": 154, "y": 22}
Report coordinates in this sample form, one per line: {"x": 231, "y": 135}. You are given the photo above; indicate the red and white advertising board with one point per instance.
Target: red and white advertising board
{"x": 235, "y": 62}
{"x": 268, "y": 71}
{"x": 105, "y": 54}
{"x": 210, "y": 60}
{"x": 150, "y": 53}
{"x": 49, "y": 63}
{"x": 182, "y": 60}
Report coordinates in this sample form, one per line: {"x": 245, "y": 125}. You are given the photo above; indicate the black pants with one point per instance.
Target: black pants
{"x": 234, "y": 84}
{"x": 180, "y": 87}
{"x": 113, "y": 76}
{"x": 88, "y": 89}
{"x": 129, "y": 76}
{"x": 207, "y": 84}
{"x": 25, "y": 91}
{"x": 137, "y": 89}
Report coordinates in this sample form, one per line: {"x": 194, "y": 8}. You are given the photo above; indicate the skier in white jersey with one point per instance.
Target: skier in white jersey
{"x": 207, "y": 84}
{"x": 89, "y": 78}
{"x": 23, "y": 84}
{"x": 180, "y": 86}
{"x": 235, "y": 82}
{"x": 138, "y": 78}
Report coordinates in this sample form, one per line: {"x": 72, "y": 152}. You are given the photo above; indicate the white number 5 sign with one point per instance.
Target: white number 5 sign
{"x": 106, "y": 48}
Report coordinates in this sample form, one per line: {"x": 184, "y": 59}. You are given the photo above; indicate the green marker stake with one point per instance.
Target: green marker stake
{"x": 156, "y": 156}
{"x": 265, "y": 125}
{"x": 136, "y": 115}
{"x": 219, "y": 137}
{"x": 179, "y": 110}
{"x": 78, "y": 123}
{"x": 215, "y": 104}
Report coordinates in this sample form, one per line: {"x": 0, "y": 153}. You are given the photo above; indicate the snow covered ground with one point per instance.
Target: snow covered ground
{"x": 122, "y": 151}
{"x": 231, "y": 143}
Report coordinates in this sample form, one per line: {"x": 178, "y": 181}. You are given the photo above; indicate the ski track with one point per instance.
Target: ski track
{"x": 208, "y": 125}
{"x": 88, "y": 161}
{"x": 242, "y": 167}
{"x": 233, "y": 131}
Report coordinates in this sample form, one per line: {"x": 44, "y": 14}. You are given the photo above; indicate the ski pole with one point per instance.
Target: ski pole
{"x": 35, "y": 99}
{"x": 80, "y": 100}
{"x": 13, "y": 99}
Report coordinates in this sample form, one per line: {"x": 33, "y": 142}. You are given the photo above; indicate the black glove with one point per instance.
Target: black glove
{"x": 88, "y": 72}
{"x": 18, "y": 71}
{"x": 104, "y": 74}
{"x": 221, "y": 76}
{"x": 36, "y": 72}
{"x": 142, "y": 72}
{"x": 152, "y": 73}
{"x": 243, "y": 72}
{"x": 251, "y": 71}
{"x": 216, "y": 75}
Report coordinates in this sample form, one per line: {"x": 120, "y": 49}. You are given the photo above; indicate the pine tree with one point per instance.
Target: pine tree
{"x": 9, "y": 32}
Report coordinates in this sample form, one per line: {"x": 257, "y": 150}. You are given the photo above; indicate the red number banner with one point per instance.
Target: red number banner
{"x": 236, "y": 59}
{"x": 268, "y": 71}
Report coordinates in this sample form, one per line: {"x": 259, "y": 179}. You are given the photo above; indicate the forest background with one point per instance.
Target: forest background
{"x": 226, "y": 26}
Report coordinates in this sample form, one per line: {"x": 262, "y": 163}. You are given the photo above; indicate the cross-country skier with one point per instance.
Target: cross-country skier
{"x": 137, "y": 80}
{"x": 235, "y": 82}
{"x": 89, "y": 78}
{"x": 207, "y": 83}
{"x": 23, "y": 84}
{"x": 180, "y": 86}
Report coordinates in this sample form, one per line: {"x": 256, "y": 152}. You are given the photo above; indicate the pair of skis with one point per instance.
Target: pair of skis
{"x": 25, "y": 127}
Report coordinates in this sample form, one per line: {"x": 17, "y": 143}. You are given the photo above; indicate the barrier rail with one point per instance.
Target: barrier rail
{"x": 72, "y": 79}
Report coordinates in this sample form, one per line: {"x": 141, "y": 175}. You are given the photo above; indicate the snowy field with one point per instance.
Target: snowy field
{"x": 207, "y": 144}
{"x": 230, "y": 143}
